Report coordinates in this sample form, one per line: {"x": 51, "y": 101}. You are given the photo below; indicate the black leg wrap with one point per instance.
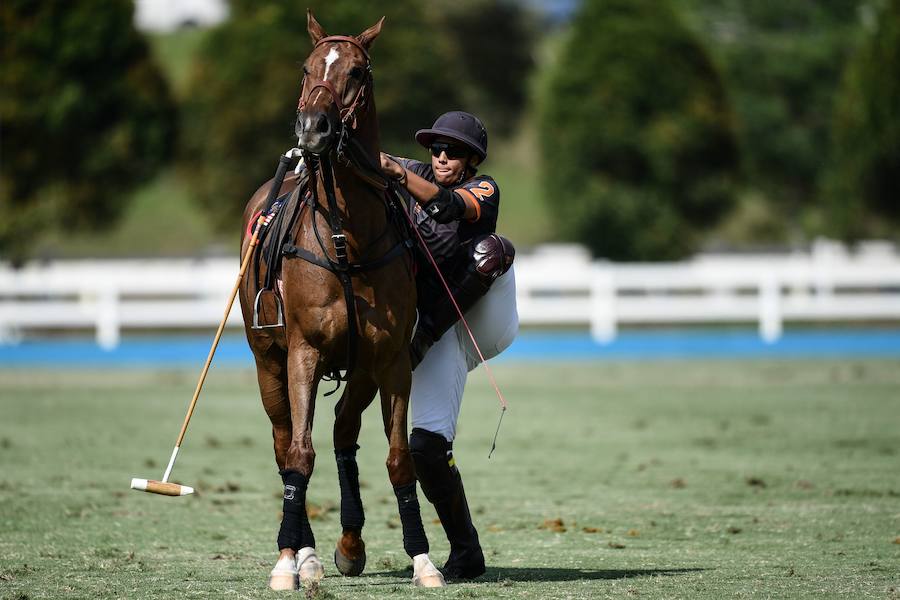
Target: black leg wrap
{"x": 295, "y": 531}
{"x": 442, "y": 485}
{"x": 352, "y": 515}
{"x": 414, "y": 540}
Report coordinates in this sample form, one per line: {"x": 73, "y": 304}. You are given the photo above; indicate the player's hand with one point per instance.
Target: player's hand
{"x": 446, "y": 208}
{"x": 391, "y": 167}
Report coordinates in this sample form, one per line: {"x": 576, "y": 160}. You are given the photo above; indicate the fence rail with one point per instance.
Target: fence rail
{"x": 556, "y": 285}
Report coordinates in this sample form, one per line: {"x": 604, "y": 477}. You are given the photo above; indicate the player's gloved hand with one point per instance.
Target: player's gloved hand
{"x": 446, "y": 207}
{"x": 390, "y": 167}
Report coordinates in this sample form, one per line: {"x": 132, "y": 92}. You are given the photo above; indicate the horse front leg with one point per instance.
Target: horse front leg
{"x": 271, "y": 372}
{"x": 296, "y": 542}
{"x": 394, "y": 389}
{"x": 350, "y": 553}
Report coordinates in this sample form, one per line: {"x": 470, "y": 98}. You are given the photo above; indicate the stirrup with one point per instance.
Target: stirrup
{"x": 279, "y": 316}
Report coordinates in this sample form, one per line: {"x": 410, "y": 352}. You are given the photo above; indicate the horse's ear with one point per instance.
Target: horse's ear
{"x": 368, "y": 36}
{"x": 315, "y": 30}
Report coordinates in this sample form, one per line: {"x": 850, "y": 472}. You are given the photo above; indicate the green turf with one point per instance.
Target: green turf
{"x": 669, "y": 480}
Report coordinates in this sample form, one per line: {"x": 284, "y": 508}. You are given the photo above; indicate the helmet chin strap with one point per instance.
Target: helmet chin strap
{"x": 465, "y": 171}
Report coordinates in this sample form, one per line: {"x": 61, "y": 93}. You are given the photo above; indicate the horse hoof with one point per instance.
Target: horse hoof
{"x": 349, "y": 567}
{"x": 309, "y": 567}
{"x": 284, "y": 576}
{"x": 425, "y": 574}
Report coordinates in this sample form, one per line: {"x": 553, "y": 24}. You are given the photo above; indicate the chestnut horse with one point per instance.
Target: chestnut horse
{"x": 337, "y": 112}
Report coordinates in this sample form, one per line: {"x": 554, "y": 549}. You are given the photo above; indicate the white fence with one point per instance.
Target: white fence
{"x": 557, "y": 285}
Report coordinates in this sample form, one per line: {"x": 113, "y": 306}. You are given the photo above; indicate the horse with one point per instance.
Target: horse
{"x": 348, "y": 305}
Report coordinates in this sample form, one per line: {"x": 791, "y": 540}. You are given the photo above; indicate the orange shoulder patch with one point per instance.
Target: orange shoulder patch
{"x": 483, "y": 190}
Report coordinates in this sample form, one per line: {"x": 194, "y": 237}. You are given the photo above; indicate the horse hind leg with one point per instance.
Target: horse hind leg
{"x": 394, "y": 389}
{"x": 350, "y": 552}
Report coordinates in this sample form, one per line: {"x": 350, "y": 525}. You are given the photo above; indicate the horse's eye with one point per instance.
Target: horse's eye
{"x": 356, "y": 72}
{"x": 305, "y": 70}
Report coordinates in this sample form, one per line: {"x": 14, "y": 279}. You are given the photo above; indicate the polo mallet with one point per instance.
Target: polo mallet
{"x": 165, "y": 487}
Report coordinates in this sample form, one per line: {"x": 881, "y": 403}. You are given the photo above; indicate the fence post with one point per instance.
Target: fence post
{"x": 108, "y": 317}
{"x": 770, "y": 325}
{"x": 603, "y": 302}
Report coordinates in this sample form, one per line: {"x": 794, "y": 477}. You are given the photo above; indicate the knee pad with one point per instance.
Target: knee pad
{"x": 492, "y": 255}
{"x": 432, "y": 458}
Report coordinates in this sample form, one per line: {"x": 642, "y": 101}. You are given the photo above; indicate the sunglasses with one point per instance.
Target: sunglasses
{"x": 453, "y": 151}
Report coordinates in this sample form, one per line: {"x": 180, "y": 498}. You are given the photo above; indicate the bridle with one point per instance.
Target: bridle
{"x": 349, "y": 150}
{"x": 347, "y": 113}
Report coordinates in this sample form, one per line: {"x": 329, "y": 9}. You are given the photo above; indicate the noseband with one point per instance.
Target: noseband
{"x": 348, "y": 112}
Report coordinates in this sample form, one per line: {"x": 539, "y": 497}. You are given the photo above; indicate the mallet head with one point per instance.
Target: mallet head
{"x": 161, "y": 487}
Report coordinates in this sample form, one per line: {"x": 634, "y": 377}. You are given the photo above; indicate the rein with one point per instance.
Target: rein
{"x": 321, "y": 167}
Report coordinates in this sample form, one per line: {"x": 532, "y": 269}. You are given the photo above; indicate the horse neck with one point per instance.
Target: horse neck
{"x": 361, "y": 204}
{"x": 367, "y": 131}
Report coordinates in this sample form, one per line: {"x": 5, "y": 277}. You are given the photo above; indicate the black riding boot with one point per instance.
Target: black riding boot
{"x": 442, "y": 485}
{"x": 489, "y": 257}
{"x": 466, "y": 560}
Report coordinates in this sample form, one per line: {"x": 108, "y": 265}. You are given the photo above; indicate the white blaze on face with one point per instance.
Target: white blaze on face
{"x": 329, "y": 60}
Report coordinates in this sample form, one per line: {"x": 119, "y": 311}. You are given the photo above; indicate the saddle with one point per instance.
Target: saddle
{"x": 281, "y": 217}
{"x": 276, "y": 243}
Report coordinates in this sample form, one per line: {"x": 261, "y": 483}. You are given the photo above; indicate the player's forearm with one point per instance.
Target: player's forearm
{"x": 420, "y": 189}
{"x": 424, "y": 192}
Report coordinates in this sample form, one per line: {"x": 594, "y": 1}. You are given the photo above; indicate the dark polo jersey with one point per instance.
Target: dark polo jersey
{"x": 446, "y": 240}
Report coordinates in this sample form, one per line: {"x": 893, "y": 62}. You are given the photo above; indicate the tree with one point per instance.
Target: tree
{"x": 86, "y": 116}
{"x": 863, "y": 183}
{"x": 494, "y": 40}
{"x": 245, "y": 84}
{"x": 636, "y": 132}
{"x": 781, "y": 62}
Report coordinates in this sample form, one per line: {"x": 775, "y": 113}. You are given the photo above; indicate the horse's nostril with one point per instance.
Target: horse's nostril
{"x": 322, "y": 125}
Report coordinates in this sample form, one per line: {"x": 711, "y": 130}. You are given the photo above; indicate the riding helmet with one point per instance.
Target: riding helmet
{"x": 458, "y": 125}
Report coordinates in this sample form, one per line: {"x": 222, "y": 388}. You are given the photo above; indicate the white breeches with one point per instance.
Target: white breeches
{"x": 439, "y": 380}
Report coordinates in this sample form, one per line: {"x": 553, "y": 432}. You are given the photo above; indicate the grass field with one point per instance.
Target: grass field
{"x": 621, "y": 480}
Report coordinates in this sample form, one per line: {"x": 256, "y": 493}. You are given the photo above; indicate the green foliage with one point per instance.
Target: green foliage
{"x": 494, "y": 41}
{"x": 863, "y": 185}
{"x": 86, "y": 115}
{"x": 782, "y": 63}
{"x": 242, "y": 97}
{"x": 240, "y": 110}
{"x": 636, "y": 134}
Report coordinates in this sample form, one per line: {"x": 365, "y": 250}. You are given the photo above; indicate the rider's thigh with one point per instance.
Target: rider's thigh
{"x": 494, "y": 321}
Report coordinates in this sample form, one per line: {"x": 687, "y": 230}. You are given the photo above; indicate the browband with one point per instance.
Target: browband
{"x": 345, "y": 38}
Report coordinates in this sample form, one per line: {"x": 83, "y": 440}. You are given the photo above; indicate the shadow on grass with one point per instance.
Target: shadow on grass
{"x": 557, "y": 574}
{"x": 553, "y": 574}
